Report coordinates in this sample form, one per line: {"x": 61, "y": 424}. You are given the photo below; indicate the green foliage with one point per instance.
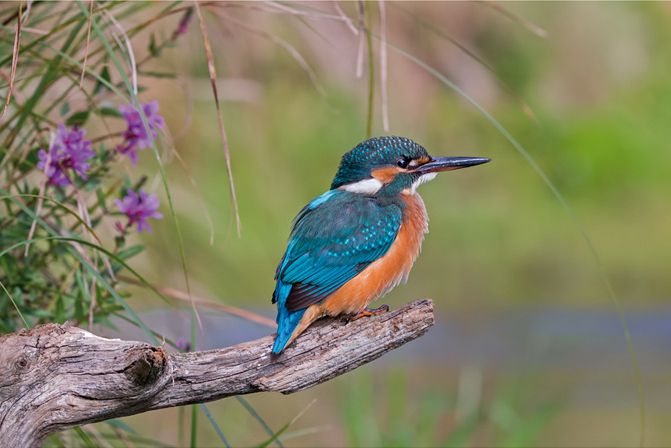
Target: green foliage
{"x": 390, "y": 412}
{"x": 51, "y": 281}
{"x": 58, "y": 187}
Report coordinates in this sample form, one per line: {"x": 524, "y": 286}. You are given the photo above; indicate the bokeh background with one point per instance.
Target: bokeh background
{"x": 528, "y": 348}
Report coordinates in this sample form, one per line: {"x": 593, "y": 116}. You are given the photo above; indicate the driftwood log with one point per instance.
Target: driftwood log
{"x": 55, "y": 377}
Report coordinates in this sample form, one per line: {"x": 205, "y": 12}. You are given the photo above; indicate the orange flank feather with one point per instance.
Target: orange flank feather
{"x": 379, "y": 277}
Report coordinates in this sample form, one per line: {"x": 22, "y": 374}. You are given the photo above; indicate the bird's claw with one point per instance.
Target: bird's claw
{"x": 370, "y": 312}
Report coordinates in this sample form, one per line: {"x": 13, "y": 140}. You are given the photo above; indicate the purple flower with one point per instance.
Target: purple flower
{"x": 68, "y": 151}
{"x": 136, "y": 136}
{"x": 183, "y": 25}
{"x": 139, "y": 207}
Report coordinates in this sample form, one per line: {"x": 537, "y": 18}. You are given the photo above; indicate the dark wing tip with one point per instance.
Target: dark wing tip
{"x": 303, "y": 295}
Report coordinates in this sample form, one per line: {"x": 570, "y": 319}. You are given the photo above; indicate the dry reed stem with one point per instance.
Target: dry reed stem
{"x": 220, "y": 119}
{"x": 15, "y": 60}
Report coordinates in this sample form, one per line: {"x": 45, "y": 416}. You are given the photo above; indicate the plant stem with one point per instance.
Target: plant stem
{"x": 371, "y": 71}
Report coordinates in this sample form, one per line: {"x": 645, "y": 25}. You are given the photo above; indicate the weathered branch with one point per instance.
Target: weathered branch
{"x": 54, "y": 377}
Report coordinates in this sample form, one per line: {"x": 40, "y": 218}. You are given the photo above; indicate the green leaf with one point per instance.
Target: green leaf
{"x": 109, "y": 111}
{"x": 104, "y": 75}
{"x": 78, "y": 118}
{"x": 100, "y": 197}
{"x": 30, "y": 161}
{"x": 65, "y": 109}
{"x": 153, "y": 48}
{"x": 59, "y": 310}
{"x": 85, "y": 438}
{"x": 130, "y": 252}
{"x": 54, "y": 441}
{"x": 154, "y": 74}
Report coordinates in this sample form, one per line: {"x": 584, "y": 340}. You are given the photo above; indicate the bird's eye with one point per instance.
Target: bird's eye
{"x": 403, "y": 162}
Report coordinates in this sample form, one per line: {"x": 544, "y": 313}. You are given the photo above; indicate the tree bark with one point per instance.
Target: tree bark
{"x": 55, "y": 377}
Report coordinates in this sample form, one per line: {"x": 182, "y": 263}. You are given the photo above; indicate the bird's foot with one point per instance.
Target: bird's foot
{"x": 369, "y": 312}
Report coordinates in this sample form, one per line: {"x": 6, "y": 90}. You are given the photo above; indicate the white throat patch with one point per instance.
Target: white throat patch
{"x": 366, "y": 186}
{"x": 424, "y": 178}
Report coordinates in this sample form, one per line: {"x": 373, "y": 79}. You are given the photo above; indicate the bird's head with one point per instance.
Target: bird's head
{"x": 393, "y": 165}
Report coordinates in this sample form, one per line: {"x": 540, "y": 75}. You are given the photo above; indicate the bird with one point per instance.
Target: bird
{"x": 358, "y": 240}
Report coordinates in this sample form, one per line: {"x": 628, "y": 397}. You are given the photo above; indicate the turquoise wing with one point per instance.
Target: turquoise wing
{"x": 334, "y": 238}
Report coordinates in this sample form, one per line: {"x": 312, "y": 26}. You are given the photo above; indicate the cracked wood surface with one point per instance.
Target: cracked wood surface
{"x": 54, "y": 377}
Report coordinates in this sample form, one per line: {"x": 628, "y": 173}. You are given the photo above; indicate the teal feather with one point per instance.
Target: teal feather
{"x": 334, "y": 238}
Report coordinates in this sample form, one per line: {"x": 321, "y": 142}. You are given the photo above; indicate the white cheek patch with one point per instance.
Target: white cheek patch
{"x": 424, "y": 178}
{"x": 367, "y": 186}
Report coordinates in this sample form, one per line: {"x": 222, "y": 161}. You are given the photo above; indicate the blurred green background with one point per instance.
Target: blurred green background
{"x": 527, "y": 349}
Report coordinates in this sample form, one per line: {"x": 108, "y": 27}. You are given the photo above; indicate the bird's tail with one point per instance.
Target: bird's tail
{"x": 286, "y": 324}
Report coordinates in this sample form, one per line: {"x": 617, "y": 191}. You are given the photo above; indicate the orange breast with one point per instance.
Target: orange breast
{"x": 387, "y": 272}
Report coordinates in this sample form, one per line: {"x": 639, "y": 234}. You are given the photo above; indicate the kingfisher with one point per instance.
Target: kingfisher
{"x": 357, "y": 241}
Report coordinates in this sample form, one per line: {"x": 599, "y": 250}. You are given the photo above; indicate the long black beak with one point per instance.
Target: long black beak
{"x": 450, "y": 163}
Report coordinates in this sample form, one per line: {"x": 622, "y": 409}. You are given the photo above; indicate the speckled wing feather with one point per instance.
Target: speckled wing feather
{"x": 333, "y": 239}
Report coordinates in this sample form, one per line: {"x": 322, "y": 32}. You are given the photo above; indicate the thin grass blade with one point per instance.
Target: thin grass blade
{"x": 214, "y": 424}
{"x": 371, "y": 70}
{"x": 383, "y": 65}
{"x": 220, "y": 119}
{"x": 275, "y": 437}
{"x": 249, "y": 408}
{"x": 88, "y": 42}
{"x": 15, "y": 60}
{"x": 16, "y": 307}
